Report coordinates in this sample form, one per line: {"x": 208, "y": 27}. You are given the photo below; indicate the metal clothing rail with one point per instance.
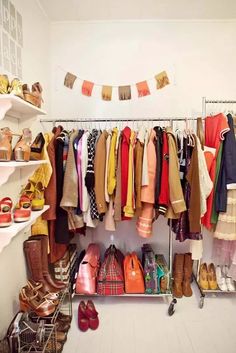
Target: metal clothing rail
{"x": 105, "y": 120}
{"x": 206, "y": 101}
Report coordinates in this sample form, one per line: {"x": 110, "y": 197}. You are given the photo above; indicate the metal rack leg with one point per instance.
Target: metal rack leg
{"x": 171, "y": 309}
{"x": 202, "y": 294}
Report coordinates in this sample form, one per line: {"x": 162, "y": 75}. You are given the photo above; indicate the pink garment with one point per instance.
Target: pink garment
{"x": 79, "y": 171}
{"x": 224, "y": 252}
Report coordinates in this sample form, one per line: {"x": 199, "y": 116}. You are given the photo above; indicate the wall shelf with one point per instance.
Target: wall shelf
{"x": 8, "y": 168}
{"x": 8, "y": 233}
{"x": 17, "y": 107}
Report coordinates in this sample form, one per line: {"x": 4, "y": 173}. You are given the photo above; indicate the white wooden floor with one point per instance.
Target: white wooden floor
{"x": 130, "y": 325}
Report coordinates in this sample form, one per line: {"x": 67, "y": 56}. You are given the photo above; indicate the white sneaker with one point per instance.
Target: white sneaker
{"x": 220, "y": 279}
{"x": 230, "y": 284}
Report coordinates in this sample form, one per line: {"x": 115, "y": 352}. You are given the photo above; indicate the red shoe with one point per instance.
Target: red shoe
{"x": 23, "y": 213}
{"x": 5, "y": 212}
{"x": 83, "y": 321}
{"x": 92, "y": 315}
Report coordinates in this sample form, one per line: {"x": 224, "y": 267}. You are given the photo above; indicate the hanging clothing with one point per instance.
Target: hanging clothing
{"x": 226, "y": 225}
{"x": 138, "y": 168}
{"x": 215, "y": 129}
{"x": 117, "y": 200}
{"x": 181, "y": 226}
{"x": 144, "y": 137}
{"x": 99, "y": 172}
{"x": 176, "y": 203}
{"x": 163, "y": 199}
{"x": 129, "y": 206}
{"x": 159, "y": 147}
{"x": 124, "y": 165}
{"x": 90, "y": 179}
{"x": 112, "y": 163}
{"x": 84, "y": 165}
{"x": 144, "y": 221}
{"x": 108, "y": 145}
{"x": 227, "y": 174}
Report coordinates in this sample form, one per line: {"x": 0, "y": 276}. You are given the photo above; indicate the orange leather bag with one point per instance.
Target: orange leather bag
{"x": 134, "y": 281}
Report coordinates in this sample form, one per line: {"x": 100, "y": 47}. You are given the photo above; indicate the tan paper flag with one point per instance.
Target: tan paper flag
{"x": 162, "y": 80}
{"x": 69, "y": 80}
{"x": 106, "y": 93}
{"x": 124, "y": 93}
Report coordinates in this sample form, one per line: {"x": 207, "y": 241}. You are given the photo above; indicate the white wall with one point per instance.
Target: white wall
{"x": 35, "y": 57}
{"x": 199, "y": 56}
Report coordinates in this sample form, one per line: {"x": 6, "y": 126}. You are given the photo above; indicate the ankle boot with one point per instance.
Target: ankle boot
{"x": 32, "y": 249}
{"x": 188, "y": 268}
{"x": 44, "y": 253}
{"x": 178, "y": 275}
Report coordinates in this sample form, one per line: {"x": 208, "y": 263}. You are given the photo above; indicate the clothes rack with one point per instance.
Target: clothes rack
{"x": 171, "y": 308}
{"x": 204, "y": 293}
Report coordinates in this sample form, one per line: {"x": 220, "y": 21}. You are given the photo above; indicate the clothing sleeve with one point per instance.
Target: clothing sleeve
{"x": 176, "y": 193}
{"x": 230, "y": 156}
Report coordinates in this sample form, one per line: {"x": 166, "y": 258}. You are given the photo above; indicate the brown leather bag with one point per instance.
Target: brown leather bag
{"x": 134, "y": 281}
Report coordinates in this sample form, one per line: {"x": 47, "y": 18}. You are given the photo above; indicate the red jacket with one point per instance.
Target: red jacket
{"x": 164, "y": 193}
{"x": 124, "y": 164}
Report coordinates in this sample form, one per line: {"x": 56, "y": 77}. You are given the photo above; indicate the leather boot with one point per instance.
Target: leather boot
{"x": 44, "y": 251}
{"x": 178, "y": 275}
{"x": 32, "y": 250}
{"x": 188, "y": 268}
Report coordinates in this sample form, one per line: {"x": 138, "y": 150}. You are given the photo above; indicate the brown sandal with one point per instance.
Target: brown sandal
{"x": 30, "y": 301}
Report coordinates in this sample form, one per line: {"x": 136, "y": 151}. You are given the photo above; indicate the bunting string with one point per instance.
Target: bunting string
{"x": 124, "y": 91}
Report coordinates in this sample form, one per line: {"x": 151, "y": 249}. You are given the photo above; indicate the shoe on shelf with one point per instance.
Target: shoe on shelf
{"x": 35, "y": 192}
{"x": 5, "y": 212}
{"x": 22, "y": 148}
{"x": 4, "y": 84}
{"x": 83, "y": 321}
{"x": 5, "y": 144}
{"x": 37, "y": 90}
{"x": 62, "y": 326}
{"x": 229, "y": 281}
{"x": 203, "y": 277}
{"x": 220, "y": 279}
{"x": 64, "y": 318}
{"x": 212, "y": 277}
{"x": 61, "y": 336}
{"x": 16, "y": 88}
{"x": 22, "y": 213}
{"x": 92, "y": 315}
{"x": 30, "y": 301}
{"x": 38, "y": 287}
{"x": 53, "y": 347}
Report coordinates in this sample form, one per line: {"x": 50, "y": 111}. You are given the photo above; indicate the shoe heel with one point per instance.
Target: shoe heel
{"x": 4, "y": 155}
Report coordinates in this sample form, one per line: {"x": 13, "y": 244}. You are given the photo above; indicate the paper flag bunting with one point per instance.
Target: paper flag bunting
{"x": 87, "y": 88}
{"x": 143, "y": 89}
{"x": 162, "y": 80}
{"x": 124, "y": 92}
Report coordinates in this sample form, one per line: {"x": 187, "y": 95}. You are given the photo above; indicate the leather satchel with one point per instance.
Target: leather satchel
{"x": 134, "y": 280}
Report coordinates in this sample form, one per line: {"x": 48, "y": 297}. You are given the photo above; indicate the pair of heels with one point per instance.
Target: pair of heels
{"x": 207, "y": 277}
{"x": 41, "y": 303}
{"x": 21, "y": 213}
{"x": 33, "y": 96}
{"x": 22, "y": 149}
{"x": 35, "y": 193}
{"x": 87, "y": 316}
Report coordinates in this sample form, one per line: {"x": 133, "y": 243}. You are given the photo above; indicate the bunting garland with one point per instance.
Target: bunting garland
{"x": 124, "y": 92}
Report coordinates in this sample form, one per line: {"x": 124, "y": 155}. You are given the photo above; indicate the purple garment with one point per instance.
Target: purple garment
{"x": 79, "y": 170}
{"x": 181, "y": 226}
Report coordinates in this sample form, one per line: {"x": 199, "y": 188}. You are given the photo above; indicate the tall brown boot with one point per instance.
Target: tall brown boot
{"x": 44, "y": 253}
{"x": 32, "y": 249}
{"x": 188, "y": 268}
{"x": 178, "y": 275}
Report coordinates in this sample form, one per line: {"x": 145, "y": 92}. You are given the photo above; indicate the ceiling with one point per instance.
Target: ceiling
{"x": 92, "y": 10}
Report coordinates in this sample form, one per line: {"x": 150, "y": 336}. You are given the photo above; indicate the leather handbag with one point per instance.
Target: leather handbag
{"x": 111, "y": 277}
{"x": 133, "y": 271}
{"x": 88, "y": 270}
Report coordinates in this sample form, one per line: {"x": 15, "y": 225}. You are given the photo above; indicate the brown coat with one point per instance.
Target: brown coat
{"x": 177, "y": 203}
{"x": 117, "y": 200}
{"x": 195, "y": 203}
{"x": 99, "y": 171}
